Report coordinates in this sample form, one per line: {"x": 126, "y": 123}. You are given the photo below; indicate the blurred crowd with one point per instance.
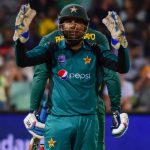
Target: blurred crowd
{"x": 15, "y": 83}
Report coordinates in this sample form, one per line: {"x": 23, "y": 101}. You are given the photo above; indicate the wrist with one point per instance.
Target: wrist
{"x": 124, "y": 42}
{"x": 115, "y": 109}
{"x": 115, "y": 43}
{"x": 115, "y": 113}
{"x": 24, "y": 37}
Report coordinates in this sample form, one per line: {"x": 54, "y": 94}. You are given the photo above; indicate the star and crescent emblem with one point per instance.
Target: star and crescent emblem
{"x": 73, "y": 9}
{"x": 51, "y": 143}
{"x": 87, "y": 60}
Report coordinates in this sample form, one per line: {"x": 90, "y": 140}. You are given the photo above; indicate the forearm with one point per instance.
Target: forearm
{"x": 115, "y": 97}
{"x": 20, "y": 53}
{"x": 112, "y": 82}
{"x": 123, "y": 60}
{"x": 40, "y": 78}
{"x": 37, "y": 92}
{"x": 115, "y": 104}
{"x": 118, "y": 63}
{"x": 36, "y": 56}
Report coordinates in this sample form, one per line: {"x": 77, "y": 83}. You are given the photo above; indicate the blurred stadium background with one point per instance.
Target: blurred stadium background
{"x": 15, "y": 83}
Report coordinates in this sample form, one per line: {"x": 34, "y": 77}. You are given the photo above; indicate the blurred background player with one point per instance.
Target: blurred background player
{"x": 4, "y": 88}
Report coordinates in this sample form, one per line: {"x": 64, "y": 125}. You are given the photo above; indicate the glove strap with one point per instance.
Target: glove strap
{"x": 115, "y": 120}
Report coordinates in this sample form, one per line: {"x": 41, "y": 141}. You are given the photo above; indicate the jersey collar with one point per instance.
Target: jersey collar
{"x": 62, "y": 45}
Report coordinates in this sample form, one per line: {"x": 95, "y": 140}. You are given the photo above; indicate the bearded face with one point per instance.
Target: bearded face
{"x": 73, "y": 29}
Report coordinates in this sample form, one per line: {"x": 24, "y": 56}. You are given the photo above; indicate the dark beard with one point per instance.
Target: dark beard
{"x": 73, "y": 42}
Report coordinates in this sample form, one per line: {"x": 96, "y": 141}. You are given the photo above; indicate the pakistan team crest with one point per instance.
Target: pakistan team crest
{"x": 51, "y": 143}
{"x": 87, "y": 60}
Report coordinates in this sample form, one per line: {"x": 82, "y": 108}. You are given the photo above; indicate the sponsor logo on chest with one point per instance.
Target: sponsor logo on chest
{"x": 63, "y": 74}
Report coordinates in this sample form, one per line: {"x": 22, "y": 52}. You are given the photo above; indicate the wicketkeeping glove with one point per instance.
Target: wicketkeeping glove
{"x": 120, "y": 124}
{"x": 23, "y": 20}
{"x": 114, "y": 25}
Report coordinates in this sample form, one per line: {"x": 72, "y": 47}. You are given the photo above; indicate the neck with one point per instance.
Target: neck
{"x": 75, "y": 47}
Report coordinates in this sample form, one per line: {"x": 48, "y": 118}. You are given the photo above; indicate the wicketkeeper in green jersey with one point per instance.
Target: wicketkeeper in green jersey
{"x": 42, "y": 74}
{"x": 73, "y": 64}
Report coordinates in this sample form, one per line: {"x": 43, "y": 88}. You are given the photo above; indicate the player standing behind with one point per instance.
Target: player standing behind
{"x": 75, "y": 74}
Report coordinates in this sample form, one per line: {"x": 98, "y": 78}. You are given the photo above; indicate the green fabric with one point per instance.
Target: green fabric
{"x": 113, "y": 84}
{"x": 41, "y": 74}
{"x": 108, "y": 76}
{"x": 63, "y": 130}
{"x": 78, "y": 70}
{"x": 101, "y": 119}
{"x": 68, "y": 99}
{"x": 74, "y": 10}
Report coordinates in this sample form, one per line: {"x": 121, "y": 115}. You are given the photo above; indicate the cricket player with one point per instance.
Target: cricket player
{"x": 73, "y": 64}
{"x": 42, "y": 74}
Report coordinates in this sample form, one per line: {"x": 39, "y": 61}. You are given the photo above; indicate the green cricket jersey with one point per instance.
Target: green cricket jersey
{"x": 73, "y": 74}
{"x": 41, "y": 74}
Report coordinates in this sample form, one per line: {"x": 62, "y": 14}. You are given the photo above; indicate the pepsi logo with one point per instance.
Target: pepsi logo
{"x": 62, "y": 74}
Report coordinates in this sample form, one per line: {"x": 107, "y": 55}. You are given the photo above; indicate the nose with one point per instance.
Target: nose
{"x": 73, "y": 24}
{"x": 72, "y": 21}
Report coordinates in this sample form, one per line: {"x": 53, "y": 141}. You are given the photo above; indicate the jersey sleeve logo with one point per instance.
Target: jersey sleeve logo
{"x": 87, "y": 60}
